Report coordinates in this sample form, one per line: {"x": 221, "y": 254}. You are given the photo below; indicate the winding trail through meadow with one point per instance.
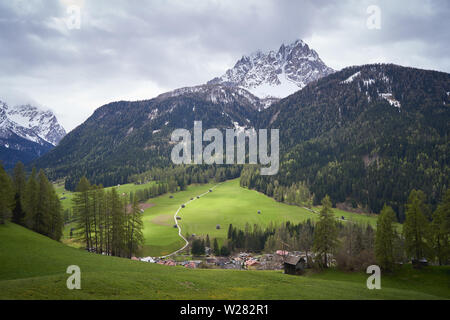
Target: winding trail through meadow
{"x": 179, "y": 227}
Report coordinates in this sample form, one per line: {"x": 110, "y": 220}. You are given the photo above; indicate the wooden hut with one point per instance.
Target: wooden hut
{"x": 294, "y": 265}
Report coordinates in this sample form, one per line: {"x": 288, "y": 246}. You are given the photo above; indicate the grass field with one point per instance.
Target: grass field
{"x": 34, "y": 267}
{"x": 227, "y": 204}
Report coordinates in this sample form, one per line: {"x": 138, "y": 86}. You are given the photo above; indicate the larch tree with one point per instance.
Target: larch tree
{"x": 30, "y": 198}
{"x": 6, "y": 196}
{"x": 216, "y": 249}
{"x": 385, "y": 238}
{"x": 325, "y": 233}
{"x": 440, "y": 227}
{"x": 82, "y": 212}
{"x": 19, "y": 181}
{"x": 134, "y": 228}
{"x": 416, "y": 226}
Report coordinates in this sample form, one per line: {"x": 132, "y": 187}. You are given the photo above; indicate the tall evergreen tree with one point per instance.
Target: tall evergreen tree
{"x": 326, "y": 233}
{"x": 416, "y": 226}
{"x": 56, "y": 215}
{"x": 216, "y": 249}
{"x": 19, "y": 181}
{"x": 31, "y": 198}
{"x": 134, "y": 228}
{"x": 441, "y": 230}
{"x": 385, "y": 238}
{"x": 6, "y": 196}
{"x": 38, "y": 199}
{"x": 82, "y": 212}
{"x": 117, "y": 224}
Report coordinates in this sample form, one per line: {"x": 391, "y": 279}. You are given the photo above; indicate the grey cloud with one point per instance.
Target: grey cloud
{"x": 137, "y": 49}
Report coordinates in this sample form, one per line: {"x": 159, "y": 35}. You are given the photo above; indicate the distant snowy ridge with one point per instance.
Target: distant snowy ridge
{"x": 30, "y": 123}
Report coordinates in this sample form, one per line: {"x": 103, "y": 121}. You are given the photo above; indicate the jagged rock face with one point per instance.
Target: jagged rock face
{"x": 27, "y": 132}
{"x": 276, "y": 74}
{"x": 42, "y": 123}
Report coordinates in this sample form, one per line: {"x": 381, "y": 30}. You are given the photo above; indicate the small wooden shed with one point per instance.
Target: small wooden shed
{"x": 294, "y": 265}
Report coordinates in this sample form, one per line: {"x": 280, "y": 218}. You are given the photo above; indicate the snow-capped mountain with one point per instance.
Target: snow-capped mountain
{"x": 276, "y": 74}
{"x": 27, "y": 132}
{"x": 31, "y": 123}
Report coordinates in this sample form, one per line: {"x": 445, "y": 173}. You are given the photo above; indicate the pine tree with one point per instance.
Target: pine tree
{"x": 18, "y": 214}
{"x": 385, "y": 238}
{"x": 208, "y": 242}
{"x": 441, "y": 230}
{"x": 6, "y": 196}
{"x": 230, "y": 231}
{"x": 40, "y": 219}
{"x": 198, "y": 247}
{"x": 19, "y": 181}
{"x": 82, "y": 212}
{"x": 134, "y": 228}
{"x": 118, "y": 243}
{"x": 326, "y": 232}
{"x": 31, "y": 198}
{"x": 56, "y": 215}
{"x": 216, "y": 247}
{"x": 416, "y": 226}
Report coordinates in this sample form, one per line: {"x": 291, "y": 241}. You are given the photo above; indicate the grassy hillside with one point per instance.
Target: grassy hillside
{"x": 227, "y": 204}
{"x": 33, "y": 267}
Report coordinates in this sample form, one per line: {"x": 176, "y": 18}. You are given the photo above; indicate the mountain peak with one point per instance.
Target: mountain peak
{"x": 27, "y": 132}
{"x": 276, "y": 73}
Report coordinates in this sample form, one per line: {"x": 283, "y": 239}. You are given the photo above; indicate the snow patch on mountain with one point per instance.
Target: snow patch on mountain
{"x": 390, "y": 98}
{"x": 351, "y": 78}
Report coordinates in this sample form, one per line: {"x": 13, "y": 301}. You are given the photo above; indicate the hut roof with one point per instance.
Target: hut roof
{"x": 292, "y": 260}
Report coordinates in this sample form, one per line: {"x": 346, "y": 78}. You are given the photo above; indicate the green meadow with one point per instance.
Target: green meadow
{"x": 34, "y": 267}
{"x": 227, "y": 204}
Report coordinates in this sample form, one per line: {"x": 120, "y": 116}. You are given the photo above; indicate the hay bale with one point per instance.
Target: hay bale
{"x": 218, "y": 227}
{"x": 182, "y": 205}
{"x": 259, "y": 212}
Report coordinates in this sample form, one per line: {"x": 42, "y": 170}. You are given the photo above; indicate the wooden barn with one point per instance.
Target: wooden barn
{"x": 294, "y": 265}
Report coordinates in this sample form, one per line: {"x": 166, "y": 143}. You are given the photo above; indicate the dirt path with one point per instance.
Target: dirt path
{"x": 178, "y": 226}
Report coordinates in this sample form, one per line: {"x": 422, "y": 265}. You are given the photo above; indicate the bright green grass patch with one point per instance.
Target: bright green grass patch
{"x": 231, "y": 204}
{"x": 160, "y": 236}
{"x": 34, "y": 267}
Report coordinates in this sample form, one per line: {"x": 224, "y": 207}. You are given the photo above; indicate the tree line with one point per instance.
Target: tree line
{"x": 31, "y": 202}
{"x": 179, "y": 177}
{"x": 106, "y": 221}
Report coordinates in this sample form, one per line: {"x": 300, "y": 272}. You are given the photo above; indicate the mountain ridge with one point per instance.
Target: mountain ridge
{"x": 276, "y": 74}
{"x": 27, "y": 132}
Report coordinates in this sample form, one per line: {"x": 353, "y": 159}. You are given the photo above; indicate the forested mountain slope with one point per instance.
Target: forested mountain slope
{"x": 123, "y": 138}
{"x": 366, "y": 135}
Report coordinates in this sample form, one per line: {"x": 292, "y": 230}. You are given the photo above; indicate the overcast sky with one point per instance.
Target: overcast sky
{"x": 131, "y": 50}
